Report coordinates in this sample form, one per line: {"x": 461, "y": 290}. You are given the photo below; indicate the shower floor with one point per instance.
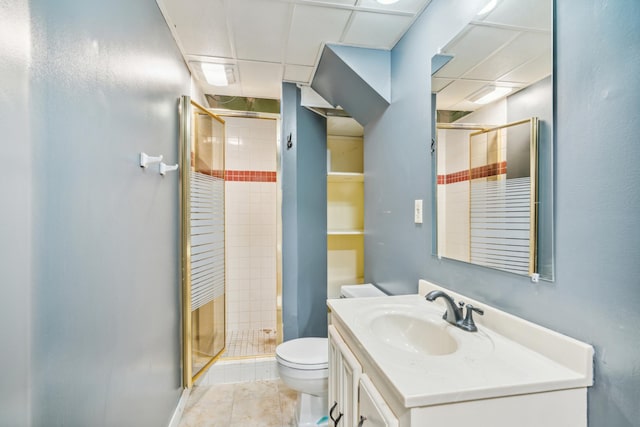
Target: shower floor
{"x": 248, "y": 343}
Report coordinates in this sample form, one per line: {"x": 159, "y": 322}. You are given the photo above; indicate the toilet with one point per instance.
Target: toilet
{"x": 303, "y": 365}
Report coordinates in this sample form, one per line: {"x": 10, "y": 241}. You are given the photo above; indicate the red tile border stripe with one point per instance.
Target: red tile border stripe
{"x": 485, "y": 171}
{"x": 242, "y": 175}
{"x": 249, "y": 176}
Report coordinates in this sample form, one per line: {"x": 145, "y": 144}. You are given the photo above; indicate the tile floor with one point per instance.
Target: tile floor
{"x": 250, "y": 343}
{"x": 252, "y": 404}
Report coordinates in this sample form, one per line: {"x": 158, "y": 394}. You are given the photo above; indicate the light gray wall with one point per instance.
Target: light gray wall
{"x": 596, "y": 295}
{"x": 15, "y": 214}
{"x": 89, "y": 248}
{"x": 304, "y": 218}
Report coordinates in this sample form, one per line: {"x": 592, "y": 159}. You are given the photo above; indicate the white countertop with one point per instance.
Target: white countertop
{"x": 486, "y": 364}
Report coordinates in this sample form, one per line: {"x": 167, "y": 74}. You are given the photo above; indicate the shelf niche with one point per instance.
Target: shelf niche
{"x": 345, "y": 204}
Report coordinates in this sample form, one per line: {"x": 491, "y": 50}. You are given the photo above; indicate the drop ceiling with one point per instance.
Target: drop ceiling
{"x": 271, "y": 41}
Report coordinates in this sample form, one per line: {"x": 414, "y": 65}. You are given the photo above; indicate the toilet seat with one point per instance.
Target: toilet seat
{"x": 304, "y": 353}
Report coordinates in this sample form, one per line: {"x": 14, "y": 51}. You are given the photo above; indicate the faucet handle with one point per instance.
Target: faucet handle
{"x": 476, "y": 309}
{"x": 467, "y": 323}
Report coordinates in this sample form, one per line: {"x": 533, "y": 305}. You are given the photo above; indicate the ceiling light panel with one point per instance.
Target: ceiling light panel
{"x": 489, "y": 94}
{"x": 259, "y": 28}
{"x": 376, "y": 30}
{"x": 310, "y": 27}
{"x": 456, "y": 92}
{"x": 201, "y": 25}
{"x": 410, "y": 6}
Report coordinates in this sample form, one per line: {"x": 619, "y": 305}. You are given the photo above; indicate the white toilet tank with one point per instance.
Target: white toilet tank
{"x": 360, "y": 291}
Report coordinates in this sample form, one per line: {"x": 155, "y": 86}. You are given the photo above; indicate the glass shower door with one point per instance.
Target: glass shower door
{"x": 203, "y": 238}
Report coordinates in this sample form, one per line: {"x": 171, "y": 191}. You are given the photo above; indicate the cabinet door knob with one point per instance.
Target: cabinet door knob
{"x": 362, "y": 420}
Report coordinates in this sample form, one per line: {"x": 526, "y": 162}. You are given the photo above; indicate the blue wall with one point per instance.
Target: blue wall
{"x": 95, "y": 278}
{"x": 304, "y": 218}
{"x": 596, "y": 294}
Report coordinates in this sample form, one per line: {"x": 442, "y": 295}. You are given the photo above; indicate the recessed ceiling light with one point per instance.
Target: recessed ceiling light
{"x": 387, "y": 1}
{"x": 218, "y": 74}
{"x": 489, "y": 94}
{"x": 488, "y": 7}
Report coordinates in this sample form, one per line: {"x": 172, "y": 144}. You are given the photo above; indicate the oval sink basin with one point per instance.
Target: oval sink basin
{"x": 413, "y": 334}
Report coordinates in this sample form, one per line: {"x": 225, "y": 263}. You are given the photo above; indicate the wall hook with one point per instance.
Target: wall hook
{"x": 164, "y": 168}
{"x": 146, "y": 160}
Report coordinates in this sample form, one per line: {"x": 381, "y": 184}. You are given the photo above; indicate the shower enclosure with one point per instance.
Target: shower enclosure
{"x": 203, "y": 238}
{"x": 230, "y": 234}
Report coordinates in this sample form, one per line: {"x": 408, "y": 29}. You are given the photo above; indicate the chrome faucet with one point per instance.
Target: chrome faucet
{"x": 453, "y": 314}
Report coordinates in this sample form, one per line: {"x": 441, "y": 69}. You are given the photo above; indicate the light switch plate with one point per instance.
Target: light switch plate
{"x": 417, "y": 212}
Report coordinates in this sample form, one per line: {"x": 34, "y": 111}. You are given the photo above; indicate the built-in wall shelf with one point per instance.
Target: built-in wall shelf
{"x": 345, "y": 232}
{"x": 345, "y": 204}
{"x": 345, "y": 177}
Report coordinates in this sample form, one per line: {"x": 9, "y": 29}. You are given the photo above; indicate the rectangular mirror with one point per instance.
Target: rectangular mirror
{"x": 493, "y": 142}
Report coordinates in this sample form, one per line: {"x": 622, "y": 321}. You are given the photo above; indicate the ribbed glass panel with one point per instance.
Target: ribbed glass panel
{"x": 500, "y": 224}
{"x": 207, "y": 239}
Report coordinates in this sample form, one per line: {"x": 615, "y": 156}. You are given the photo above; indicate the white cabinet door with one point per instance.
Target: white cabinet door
{"x": 334, "y": 375}
{"x": 374, "y": 411}
{"x": 344, "y": 377}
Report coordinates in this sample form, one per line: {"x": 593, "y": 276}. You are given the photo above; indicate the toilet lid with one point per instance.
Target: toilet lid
{"x": 304, "y": 353}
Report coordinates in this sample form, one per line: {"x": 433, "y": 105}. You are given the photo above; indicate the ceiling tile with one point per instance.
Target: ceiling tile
{"x": 511, "y": 56}
{"x": 456, "y": 92}
{"x": 201, "y": 25}
{"x": 260, "y": 79}
{"x": 522, "y": 13}
{"x": 259, "y": 28}
{"x": 438, "y": 84}
{"x": 530, "y": 72}
{"x": 297, "y": 73}
{"x": 376, "y": 29}
{"x": 471, "y": 47}
{"x": 340, "y": 2}
{"x": 411, "y": 6}
{"x": 310, "y": 27}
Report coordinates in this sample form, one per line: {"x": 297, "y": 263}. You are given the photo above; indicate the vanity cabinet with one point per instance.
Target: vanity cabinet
{"x": 521, "y": 375}
{"x": 353, "y": 399}
{"x": 344, "y": 378}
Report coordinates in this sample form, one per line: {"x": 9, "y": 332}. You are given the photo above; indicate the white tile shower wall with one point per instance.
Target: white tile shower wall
{"x": 251, "y": 226}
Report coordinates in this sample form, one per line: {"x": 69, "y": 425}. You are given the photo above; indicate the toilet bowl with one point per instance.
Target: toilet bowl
{"x": 303, "y": 365}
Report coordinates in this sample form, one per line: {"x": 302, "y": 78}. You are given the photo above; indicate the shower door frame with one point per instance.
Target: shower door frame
{"x": 185, "y": 160}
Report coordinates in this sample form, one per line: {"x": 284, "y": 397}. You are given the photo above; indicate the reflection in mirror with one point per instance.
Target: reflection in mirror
{"x": 493, "y": 96}
{"x": 487, "y": 210}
